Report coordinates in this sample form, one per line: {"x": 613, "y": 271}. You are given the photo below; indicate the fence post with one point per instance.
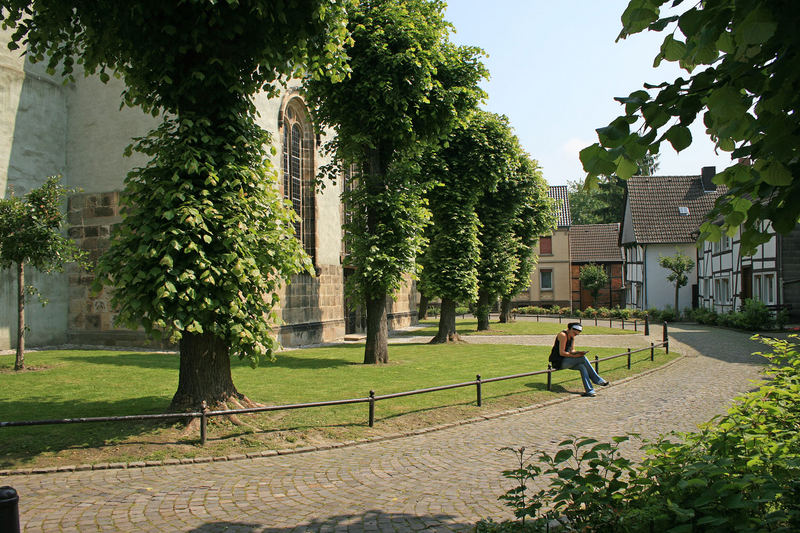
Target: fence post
{"x": 652, "y": 352}
{"x": 610, "y": 324}
{"x": 623, "y": 323}
{"x": 371, "y": 408}
{"x": 559, "y": 319}
{"x": 9, "y": 510}
{"x": 666, "y": 337}
{"x": 478, "y": 387}
{"x": 647, "y": 324}
{"x": 203, "y": 422}
{"x": 595, "y": 320}
{"x": 629, "y": 358}
{"x": 596, "y": 364}
{"x": 635, "y": 325}
{"x": 549, "y": 375}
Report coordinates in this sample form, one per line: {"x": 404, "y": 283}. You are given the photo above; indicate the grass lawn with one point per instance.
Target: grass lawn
{"x": 468, "y": 326}
{"x": 71, "y": 384}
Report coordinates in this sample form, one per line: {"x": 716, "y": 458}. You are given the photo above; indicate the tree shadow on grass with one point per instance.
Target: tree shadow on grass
{"x": 19, "y": 444}
{"x": 373, "y": 520}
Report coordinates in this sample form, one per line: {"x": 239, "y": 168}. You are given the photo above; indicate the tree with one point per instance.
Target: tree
{"x": 477, "y": 156}
{"x": 533, "y": 217}
{"x": 605, "y": 202}
{"x": 205, "y": 240}
{"x": 30, "y": 234}
{"x": 679, "y": 266}
{"x": 593, "y": 278}
{"x": 507, "y": 241}
{"x": 741, "y": 56}
{"x": 408, "y": 87}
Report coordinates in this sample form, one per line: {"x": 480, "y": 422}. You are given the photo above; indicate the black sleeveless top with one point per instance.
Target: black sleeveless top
{"x": 555, "y": 354}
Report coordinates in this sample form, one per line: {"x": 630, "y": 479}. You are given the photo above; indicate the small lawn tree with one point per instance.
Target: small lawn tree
{"x": 30, "y": 234}
{"x": 679, "y": 266}
{"x": 593, "y": 278}
{"x": 408, "y": 87}
{"x": 206, "y": 238}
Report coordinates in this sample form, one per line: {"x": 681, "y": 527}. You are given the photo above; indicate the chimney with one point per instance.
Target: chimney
{"x": 706, "y": 175}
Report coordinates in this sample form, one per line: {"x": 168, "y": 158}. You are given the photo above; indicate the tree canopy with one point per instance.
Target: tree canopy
{"x": 478, "y": 155}
{"x": 408, "y": 86}
{"x": 743, "y": 70}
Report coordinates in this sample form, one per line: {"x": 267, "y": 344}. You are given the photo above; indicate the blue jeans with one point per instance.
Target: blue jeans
{"x": 588, "y": 375}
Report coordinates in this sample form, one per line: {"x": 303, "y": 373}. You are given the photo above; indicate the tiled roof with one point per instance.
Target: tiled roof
{"x": 595, "y": 243}
{"x": 560, "y": 194}
{"x": 656, "y": 203}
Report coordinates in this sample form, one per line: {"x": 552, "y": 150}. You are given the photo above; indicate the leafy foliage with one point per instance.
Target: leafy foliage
{"x": 679, "y": 266}
{"x": 30, "y": 229}
{"x": 209, "y": 261}
{"x": 512, "y": 217}
{"x": 478, "y": 155}
{"x": 742, "y": 61}
{"x": 740, "y": 474}
{"x": 593, "y": 277}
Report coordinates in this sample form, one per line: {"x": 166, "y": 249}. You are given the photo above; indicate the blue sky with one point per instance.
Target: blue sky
{"x": 555, "y": 70}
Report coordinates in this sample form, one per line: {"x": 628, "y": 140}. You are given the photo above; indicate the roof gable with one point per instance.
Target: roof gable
{"x": 595, "y": 243}
{"x": 655, "y": 203}
{"x": 560, "y": 193}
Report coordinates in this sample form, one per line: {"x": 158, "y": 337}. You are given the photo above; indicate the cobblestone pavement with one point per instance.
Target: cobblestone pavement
{"x": 443, "y": 480}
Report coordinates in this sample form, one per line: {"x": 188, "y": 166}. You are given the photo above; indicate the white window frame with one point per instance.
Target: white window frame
{"x": 541, "y": 279}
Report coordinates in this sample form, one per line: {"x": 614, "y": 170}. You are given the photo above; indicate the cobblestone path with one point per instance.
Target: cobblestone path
{"x": 438, "y": 481}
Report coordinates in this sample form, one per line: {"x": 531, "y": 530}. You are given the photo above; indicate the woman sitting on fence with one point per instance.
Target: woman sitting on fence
{"x": 563, "y": 356}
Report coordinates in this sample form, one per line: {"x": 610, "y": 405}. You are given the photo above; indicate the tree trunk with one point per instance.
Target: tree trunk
{"x": 376, "y": 349}
{"x": 19, "y": 363}
{"x": 422, "y": 314}
{"x": 677, "y": 290}
{"x": 482, "y": 313}
{"x": 505, "y": 310}
{"x": 205, "y": 374}
{"x": 447, "y": 323}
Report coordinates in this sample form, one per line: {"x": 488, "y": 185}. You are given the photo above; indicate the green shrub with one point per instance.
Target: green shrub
{"x": 590, "y": 312}
{"x": 755, "y": 316}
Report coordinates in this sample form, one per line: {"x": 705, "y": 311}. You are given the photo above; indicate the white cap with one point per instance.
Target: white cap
{"x": 577, "y": 327}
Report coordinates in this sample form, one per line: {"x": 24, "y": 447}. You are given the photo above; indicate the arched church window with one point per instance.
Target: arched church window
{"x": 298, "y": 172}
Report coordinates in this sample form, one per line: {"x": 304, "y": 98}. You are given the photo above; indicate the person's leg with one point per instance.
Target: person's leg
{"x": 591, "y": 372}
{"x": 580, "y": 364}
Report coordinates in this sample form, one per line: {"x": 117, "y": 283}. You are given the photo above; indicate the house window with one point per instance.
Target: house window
{"x": 725, "y": 243}
{"x": 545, "y": 245}
{"x": 349, "y": 181}
{"x": 707, "y": 288}
{"x": 764, "y": 288}
{"x": 546, "y": 280}
{"x": 722, "y": 291}
{"x": 298, "y": 172}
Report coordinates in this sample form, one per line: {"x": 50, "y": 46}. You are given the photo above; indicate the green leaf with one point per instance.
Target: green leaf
{"x": 756, "y": 28}
{"x": 774, "y": 173}
{"x": 626, "y": 168}
{"x": 673, "y": 50}
{"x": 679, "y": 137}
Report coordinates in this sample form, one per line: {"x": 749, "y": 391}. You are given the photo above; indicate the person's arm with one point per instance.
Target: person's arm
{"x": 562, "y": 347}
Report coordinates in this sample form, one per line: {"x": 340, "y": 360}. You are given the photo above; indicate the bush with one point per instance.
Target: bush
{"x": 702, "y": 315}
{"x": 755, "y": 316}
{"x": 590, "y": 312}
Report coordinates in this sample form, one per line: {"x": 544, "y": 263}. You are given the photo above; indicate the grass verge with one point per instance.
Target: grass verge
{"x": 72, "y": 384}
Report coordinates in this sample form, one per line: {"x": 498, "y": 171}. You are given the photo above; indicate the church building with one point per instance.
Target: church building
{"x": 78, "y": 130}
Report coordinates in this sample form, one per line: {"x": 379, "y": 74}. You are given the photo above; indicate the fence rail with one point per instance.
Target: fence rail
{"x": 371, "y": 399}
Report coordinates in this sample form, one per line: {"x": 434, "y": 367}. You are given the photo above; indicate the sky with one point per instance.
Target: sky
{"x": 555, "y": 69}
